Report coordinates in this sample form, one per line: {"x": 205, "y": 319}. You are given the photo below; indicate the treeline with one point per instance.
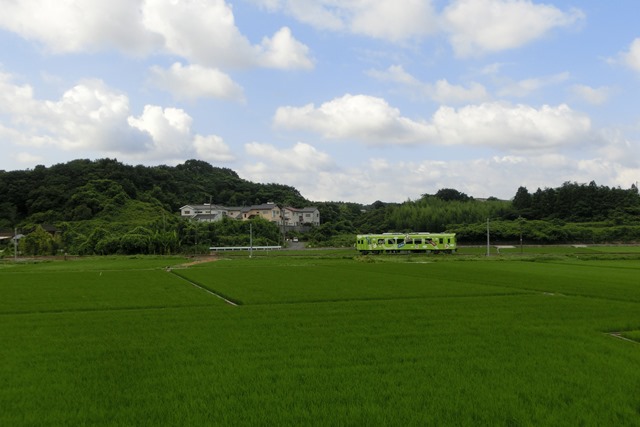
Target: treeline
{"x": 81, "y": 189}
{"x": 570, "y": 213}
{"x": 106, "y": 207}
{"x": 578, "y": 203}
{"x": 155, "y": 238}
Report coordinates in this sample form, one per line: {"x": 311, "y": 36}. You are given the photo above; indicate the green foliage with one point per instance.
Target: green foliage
{"x": 434, "y": 214}
{"x": 578, "y": 202}
{"x": 38, "y": 242}
{"x": 319, "y": 341}
{"x": 82, "y": 189}
{"x": 83, "y": 196}
{"x": 450, "y": 194}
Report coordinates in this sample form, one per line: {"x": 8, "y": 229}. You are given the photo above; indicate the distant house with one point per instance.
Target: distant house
{"x": 297, "y": 217}
{"x": 269, "y": 211}
{"x": 288, "y": 216}
{"x": 204, "y": 213}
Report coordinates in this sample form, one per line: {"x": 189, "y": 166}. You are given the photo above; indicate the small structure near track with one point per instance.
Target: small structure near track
{"x": 243, "y": 248}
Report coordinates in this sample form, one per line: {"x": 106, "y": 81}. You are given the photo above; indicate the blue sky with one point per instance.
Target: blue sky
{"x": 346, "y": 100}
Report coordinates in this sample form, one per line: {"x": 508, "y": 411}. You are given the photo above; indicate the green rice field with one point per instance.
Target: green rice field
{"x": 323, "y": 338}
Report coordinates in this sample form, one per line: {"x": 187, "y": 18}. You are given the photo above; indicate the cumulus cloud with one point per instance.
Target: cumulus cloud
{"x": 442, "y": 91}
{"x": 477, "y": 27}
{"x": 93, "y": 117}
{"x": 308, "y": 169}
{"x": 591, "y": 95}
{"x": 87, "y": 115}
{"x": 301, "y": 157}
{"x": 631, "y": 58}
{"x": 373, "y": 121}
{"x": 447, "y": 93}
{"x": 75, "y": 26}
{"x": 381, "y": 19}
{"x": 205, "y": 33}
{"x": 194, "y": 81}
{"x": 172, "y": 138}
{"x": 512, "y": 127}
{"x": 523, "y": 88}
{"x": 201, "y": 31}
{"x": 284, "y": 51}
{"x": 361, "y": 117}
{"x": 212, "y": 148}
{"x": 359, "y": 182}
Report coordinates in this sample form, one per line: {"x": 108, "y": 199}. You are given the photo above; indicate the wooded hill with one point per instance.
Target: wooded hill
{"x": 105, "y": 206}
{"x": 81, "y": 189}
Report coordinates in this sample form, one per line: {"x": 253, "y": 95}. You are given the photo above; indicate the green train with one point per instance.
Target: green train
{"x": 387, "y": 243}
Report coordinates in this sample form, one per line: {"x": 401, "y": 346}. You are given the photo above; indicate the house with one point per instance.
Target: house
{"x": 298, "y": 217}
{"x": 204, "y": 213}
{"x": 269, "y": 211}
{"x": 288, "y": 216}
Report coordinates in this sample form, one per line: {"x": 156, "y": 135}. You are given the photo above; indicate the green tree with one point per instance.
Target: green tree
{"x": 38, "y": 242}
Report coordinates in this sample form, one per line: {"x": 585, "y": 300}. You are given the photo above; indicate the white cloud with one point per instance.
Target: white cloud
{"x": 172, "y": 139}
{"x": 365, "y": 118}
{"x": 373, "y": 121}
{"x": 359, "y": 182}
{"x": 477, "y": 27}
{"x": 301, "y": 157}
{"x": 302, "y": 166}
{"x": 194, "y": 81}
{"x": 316, "y": 13}
{"x": 523, "y": 88}
{"x": 510, "y": 127}
{"x": 619, "y": 149}
{"x": 28, "y": 158}
{"x": 446, "y": 93}
{"x": 442, "y": 91}
{"x": 212, "y": 148}
{"x": 501, "y": 177}
{"x": 93, "y": 117}
{"x": 203, "y": 32}
{"x": 284, "y": 52}
{"x": 593, "y": 96}
{"x": 395, "y": 74}
{"x": 75, "y": 26}
{"x": 631, "y": 58}
{"x": 89, "y": 115}
{"x": 394, "y": 21}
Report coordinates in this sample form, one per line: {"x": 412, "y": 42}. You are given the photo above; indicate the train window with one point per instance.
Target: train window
{"x": 409, "y": 241}
{"x": 417, "y": 242}
{"x": 390, "y": 242}
{"x": 400, "y": 241}
{"x": 381, "y": 241}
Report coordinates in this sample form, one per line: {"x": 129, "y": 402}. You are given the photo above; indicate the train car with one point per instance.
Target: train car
{"x": 406, "y": 243}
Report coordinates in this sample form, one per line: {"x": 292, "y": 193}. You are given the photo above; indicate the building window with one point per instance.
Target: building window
{"x": 187, "y": 212}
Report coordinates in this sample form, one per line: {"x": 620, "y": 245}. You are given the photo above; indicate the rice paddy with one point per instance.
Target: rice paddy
{"x": 326, "y": 338}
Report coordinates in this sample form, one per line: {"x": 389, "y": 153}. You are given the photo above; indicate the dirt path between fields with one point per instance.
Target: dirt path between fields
{"x": 200, "y": 260}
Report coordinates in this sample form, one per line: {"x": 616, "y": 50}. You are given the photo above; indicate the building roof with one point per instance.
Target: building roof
{"x": 204, "y": 207}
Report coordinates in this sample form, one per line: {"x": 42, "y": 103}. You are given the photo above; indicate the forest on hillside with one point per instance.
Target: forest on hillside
{"x": 105, "y": 206}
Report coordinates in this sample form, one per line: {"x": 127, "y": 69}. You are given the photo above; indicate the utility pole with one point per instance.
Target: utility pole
{"x": 15, "y": 244}
{"x": 488, "y": 244}
{"x": 250, "y": 240}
